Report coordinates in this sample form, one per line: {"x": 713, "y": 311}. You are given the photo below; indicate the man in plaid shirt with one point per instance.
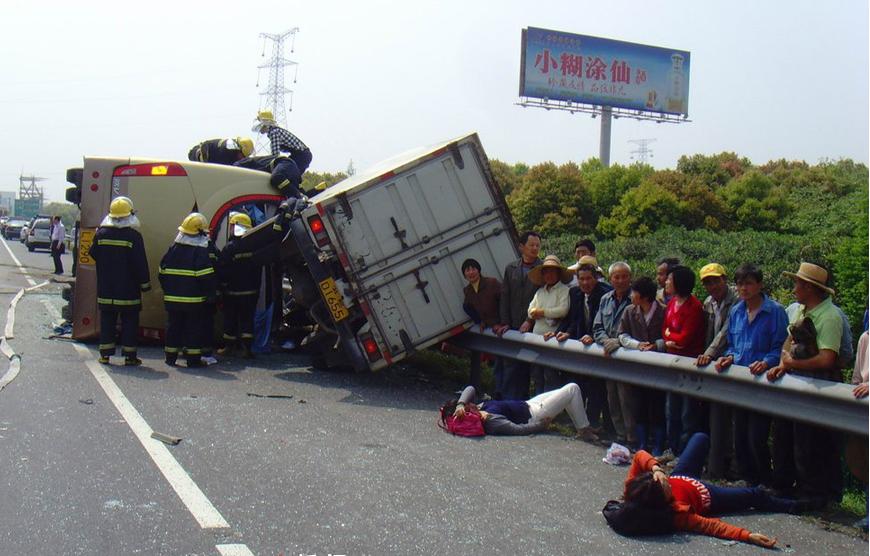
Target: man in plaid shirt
{"x": 282, "y": 141}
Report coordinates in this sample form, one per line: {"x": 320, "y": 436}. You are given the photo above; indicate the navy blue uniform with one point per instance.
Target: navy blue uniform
{"x": 122, "y": 276}
{"x": 189, "y": 293}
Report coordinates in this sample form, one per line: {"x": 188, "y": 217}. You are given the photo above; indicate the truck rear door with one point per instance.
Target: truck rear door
{"x": 405, "y": 238}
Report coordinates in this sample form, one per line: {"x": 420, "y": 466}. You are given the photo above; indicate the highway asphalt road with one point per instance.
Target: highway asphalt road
{"x": 341, "y": 464}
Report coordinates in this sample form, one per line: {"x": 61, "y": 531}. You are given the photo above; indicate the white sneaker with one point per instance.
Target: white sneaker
{"x": 209, "y": 360}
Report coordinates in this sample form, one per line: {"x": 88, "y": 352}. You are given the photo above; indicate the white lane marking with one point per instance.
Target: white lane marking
{"x": 234, "y": 550}
{"x": 30, "y": 280}
{"x": 191, "y": 496}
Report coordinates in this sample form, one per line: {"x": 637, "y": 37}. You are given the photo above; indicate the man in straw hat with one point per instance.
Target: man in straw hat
{"x": 547, "y": 308}
{"x": 808, "y": 456}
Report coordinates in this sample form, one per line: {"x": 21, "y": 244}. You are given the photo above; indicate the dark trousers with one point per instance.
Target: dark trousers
{"x": 208, "y": 331}
{"x": 649, "y": 406}
{"x": 726, "y": 500}
{"x": 287, "y": 175}
{"x": 722, "y": 440}
{"x": 751, "y": 433}
{"x": 129, "y": 331}
{"x": 807, "y": 457}
{"x": 516, "y": 380}
{"x": 55, "y": 254}
{"x": 545, "y": 379}
{"x": 184, "y": 334}
{"x": 685, "y": 416}
{"x": 595, "y": 398}
{"x": 239, "y": 318}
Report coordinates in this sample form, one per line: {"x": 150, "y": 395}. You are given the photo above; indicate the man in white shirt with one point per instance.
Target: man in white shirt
{"x": 58, "y": 236}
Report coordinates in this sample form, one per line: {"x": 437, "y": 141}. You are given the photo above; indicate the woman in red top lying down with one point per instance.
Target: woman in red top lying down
{"x": 691, "y": 502}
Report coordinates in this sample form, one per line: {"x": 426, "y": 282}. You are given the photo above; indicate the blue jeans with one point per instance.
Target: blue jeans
{"x": 726, "y": 500}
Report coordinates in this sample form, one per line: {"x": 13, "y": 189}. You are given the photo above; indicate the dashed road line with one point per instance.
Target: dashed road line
{"x": 234, "y": 550}
{"x": 191, "y": 496}
{"x": 196, "y": 502}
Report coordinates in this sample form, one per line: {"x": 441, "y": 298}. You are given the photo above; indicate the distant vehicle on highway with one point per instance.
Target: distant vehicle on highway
{"x": 38, "y": 234}
{"x": 13, "y": 227}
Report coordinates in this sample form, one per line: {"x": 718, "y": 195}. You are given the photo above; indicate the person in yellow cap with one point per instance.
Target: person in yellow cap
{"x": 189, "y": 287}
{"x": 222, "y": 151}
{"x": 717, "y": 309}
{"x": 122, "y": 276}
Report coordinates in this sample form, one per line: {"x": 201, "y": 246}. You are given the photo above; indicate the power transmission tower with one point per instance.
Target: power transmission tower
{"x": 642, "y": 151}
{"x": 31, "y": 190}
{"x": 273, "y": 97}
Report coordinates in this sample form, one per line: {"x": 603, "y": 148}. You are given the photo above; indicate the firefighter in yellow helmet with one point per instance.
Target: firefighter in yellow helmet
{"x": 122, "y": 276}
{"x": 189, "y": 287}
{"x": 240, "y": 282}
{"x": 222, "y": 151}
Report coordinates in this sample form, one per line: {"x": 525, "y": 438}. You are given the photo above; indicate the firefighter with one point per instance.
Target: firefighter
{"x": 287, "y": 171}
{"x": 189, "y": 286}
{"x": 240, "y": 276}
{"x": 222, "y": 151}
{"x": 122, "y": 276}
{"x": 208, "y": 326}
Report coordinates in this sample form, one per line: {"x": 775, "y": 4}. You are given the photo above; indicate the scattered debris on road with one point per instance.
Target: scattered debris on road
{"x": 165, "y": 438}
{"x": 274, "y": 396}
{"x": 88, "y": 401}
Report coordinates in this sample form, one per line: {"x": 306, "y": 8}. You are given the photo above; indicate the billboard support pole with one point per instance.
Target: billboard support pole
{"x": 604, "y": 146}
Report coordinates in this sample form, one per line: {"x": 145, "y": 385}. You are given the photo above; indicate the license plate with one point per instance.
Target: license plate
{"x": 333, "y": 300}
{"x": 86, "y": 239}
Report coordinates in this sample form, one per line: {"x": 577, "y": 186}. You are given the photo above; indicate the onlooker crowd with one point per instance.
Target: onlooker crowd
{"x": 736, "y": 324}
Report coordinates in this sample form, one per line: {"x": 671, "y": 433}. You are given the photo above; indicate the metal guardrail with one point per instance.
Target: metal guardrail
{"x": 820, "y": 402}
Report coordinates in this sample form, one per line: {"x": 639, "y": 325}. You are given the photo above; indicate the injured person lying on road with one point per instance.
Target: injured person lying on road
{"x": 518, "y": 417}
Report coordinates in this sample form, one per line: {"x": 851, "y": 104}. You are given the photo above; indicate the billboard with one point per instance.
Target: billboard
{"x": 604, "y": 72}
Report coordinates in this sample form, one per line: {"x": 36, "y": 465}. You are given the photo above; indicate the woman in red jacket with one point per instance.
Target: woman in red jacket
{"x": 650, "y": 493}
{"x": 684, "y": 334}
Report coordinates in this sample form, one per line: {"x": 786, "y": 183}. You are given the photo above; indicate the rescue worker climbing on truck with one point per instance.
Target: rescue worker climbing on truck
{"x": 222, "y": 151}
{"x": 122, "y": 276}
{"x": 189, "y": 285}
{"x": 286, "y": 171}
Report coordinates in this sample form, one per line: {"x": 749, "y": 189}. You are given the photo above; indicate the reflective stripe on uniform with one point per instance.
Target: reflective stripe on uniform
{"x": 248, "y": 292}
{"x": 168, "y": 349}
{"x": 238, "y": 256}
{"x": 122, "y": 302}
{"x": 145, "y": 286}
{"x": 247, "y": 336}
{"x": 186, "y": 272}
{"x": 115, "y": 242}
{"x": 128, "y": 349}
{"x": 107, "y": 346}
{"x": 228, "y": 337}
{"x": 192, "y": 351}
{"x": 184, "y": 299}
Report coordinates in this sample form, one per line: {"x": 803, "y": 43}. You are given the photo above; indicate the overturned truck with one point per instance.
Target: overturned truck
{"x": 373, "y": 260}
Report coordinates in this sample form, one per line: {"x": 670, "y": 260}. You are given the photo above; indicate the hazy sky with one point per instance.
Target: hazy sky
{"x": 769, "y": 80}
